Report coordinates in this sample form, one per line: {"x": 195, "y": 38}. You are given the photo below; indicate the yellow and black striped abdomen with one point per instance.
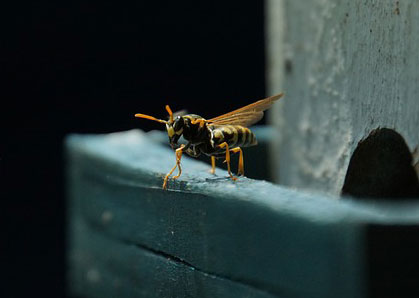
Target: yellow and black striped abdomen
{"x": 234, "y": 135}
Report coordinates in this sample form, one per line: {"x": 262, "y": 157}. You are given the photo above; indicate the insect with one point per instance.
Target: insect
{"x": 216, "y": 137}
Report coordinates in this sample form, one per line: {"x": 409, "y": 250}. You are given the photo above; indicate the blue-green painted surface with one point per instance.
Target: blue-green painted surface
{"x": 247, "y": 236}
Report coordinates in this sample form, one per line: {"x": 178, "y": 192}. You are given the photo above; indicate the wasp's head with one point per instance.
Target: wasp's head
{"x": 174, "y": 130}
{"x": 174, "y": 126}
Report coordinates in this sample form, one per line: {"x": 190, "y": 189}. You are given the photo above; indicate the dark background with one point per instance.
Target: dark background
{"x": 87, "y": 67}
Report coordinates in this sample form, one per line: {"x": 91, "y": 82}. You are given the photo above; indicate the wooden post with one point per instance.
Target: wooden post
{"x": 347, "y": 68}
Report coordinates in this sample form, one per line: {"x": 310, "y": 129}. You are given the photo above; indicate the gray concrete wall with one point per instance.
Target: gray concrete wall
{"x": 346, "y": 67}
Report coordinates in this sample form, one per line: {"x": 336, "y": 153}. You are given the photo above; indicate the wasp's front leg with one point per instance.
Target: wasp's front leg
{"x": 178, "y": 154}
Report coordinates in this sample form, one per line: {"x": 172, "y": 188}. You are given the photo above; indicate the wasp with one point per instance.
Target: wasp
{"x": 216, "y": 137}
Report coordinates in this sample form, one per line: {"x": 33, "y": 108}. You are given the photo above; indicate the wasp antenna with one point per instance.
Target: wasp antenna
{"x": 170, "y": 113}
{"x": 149, "y": 118}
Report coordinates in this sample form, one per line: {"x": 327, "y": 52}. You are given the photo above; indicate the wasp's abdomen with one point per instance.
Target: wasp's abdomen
{"x": 234, "y": 135}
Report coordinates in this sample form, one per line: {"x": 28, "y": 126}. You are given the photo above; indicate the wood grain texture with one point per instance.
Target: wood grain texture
{"x": 249, "y": 237}
{"x": 346, "y": 67}
{"x": 104, "y": 266}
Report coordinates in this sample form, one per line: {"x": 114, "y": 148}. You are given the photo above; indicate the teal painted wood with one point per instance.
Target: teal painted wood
{"x": 104, "y": 266}
{"x": 261, "y": 237}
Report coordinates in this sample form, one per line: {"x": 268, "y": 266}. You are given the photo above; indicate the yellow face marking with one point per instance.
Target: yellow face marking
{"x": 170, "y": 131}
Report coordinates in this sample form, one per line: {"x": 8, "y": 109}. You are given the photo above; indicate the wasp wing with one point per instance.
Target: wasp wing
{"x": 246, "y": 115}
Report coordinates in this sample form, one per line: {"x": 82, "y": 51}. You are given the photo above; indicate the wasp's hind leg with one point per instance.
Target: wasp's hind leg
{"x": 241, "y": 163}
{"x": 177, "y": 165}
{"x": 225, "y": 145}
{"x": 212, "y": 171}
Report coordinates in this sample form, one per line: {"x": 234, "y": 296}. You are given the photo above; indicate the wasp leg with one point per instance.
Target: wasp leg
{"x": 168, "y": 175}
{"x": 178, "y": 158}
{"x": 222, "y": 145}
{"x": 177, "y": 165}
{"x": 241, "y": 163}
{"x": 212, "y": 165}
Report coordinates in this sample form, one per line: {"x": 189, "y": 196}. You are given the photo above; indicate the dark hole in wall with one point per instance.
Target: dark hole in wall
{"x": 381, "y": 167}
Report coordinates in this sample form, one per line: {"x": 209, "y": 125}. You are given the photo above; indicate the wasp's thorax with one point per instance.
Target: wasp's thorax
{"x": 193, "y": 132}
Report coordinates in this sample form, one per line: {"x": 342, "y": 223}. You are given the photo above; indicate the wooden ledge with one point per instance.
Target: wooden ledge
{"x": 249, "y": 237}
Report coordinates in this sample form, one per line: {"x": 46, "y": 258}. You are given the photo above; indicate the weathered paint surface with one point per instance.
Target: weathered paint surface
{"x": 347, "y": 67}
{"x": 206, "y": 236}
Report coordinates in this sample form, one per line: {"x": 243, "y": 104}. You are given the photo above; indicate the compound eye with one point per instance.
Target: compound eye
{"x": 178, "y": 125}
